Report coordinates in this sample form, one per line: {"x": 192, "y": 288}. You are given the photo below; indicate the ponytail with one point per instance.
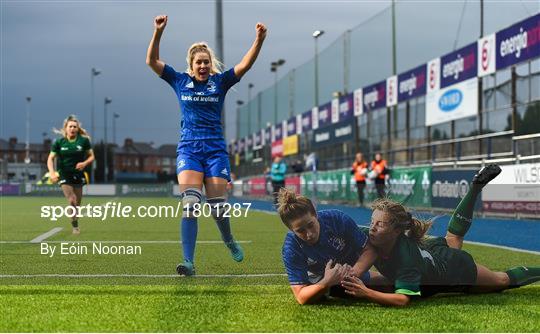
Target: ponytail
{"x": 418, "y": 229}
{"x": 292, "y": 207}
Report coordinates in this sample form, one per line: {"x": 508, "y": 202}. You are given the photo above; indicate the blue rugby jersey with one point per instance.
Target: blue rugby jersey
{"x": 340, "y": 240}
{"x": 200, "y": 102}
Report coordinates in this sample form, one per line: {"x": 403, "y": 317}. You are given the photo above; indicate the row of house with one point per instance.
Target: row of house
{"x": 131, "y": 158}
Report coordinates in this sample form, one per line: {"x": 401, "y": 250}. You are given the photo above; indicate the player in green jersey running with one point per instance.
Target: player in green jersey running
{"x": 421, "y": 267}
{"x": 73, "y": 153}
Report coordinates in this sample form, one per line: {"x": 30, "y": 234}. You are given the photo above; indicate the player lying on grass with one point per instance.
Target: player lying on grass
{"x": 321, "y": 249}
{"x": 422, "y": 267}
{"x": 73, "y": 153}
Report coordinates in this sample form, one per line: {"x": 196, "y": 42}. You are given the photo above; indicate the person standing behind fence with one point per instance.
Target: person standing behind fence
{"x": 277, "y": 173}
{"x": 359, "y": 170}
{"x": 379, "y": 172}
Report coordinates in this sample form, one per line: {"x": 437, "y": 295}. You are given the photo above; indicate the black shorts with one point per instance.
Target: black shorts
{"x": 461, "y": 271}
{"x": 74, "y": 180}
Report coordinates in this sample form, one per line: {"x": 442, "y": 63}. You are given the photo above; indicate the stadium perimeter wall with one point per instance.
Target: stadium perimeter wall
{"x": 515, "y": 192}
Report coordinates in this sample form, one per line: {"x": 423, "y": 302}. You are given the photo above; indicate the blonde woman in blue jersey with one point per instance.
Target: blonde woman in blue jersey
{"x": 202, "y": 157}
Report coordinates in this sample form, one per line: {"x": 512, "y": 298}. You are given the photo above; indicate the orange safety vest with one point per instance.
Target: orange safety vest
{"x": 379, "y": 168}
{"x": 357, "y": 167}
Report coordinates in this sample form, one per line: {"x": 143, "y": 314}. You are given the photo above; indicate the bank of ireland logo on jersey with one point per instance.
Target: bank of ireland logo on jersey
{"x": 434, "y": 73}
{"x": 486, "y": 55}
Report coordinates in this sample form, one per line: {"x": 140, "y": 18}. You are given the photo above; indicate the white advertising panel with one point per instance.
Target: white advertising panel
{"x": 358, "y": 103}
{"x": 453, "y": 102}
{"x": 486, "y": 55}
{"x": 516, "y": 189}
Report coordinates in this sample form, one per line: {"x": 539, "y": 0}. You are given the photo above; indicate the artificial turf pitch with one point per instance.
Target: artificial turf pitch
{"x": 143, "y": 294}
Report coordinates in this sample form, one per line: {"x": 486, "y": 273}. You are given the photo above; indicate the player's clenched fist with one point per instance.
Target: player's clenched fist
{"x": 160, "y": 22}
{"x": 260, "y": 28}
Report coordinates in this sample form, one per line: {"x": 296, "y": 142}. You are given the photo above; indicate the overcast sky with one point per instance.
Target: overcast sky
{"x": 49, "y": 47}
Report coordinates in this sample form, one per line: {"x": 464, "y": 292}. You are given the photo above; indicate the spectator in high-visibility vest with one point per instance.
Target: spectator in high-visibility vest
{"x": 360, "y": 170}
{"x": 277, "y": 173}
{"x": 379, "y": 173}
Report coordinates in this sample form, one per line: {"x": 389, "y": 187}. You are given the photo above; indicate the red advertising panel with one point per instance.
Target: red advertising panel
{"x": 257, "y": 186}
{"x": 277, "y": 148}
{"x": 293, "y": 183}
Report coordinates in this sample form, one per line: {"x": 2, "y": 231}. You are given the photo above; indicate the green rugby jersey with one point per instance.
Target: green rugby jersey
{"x": 70, "y": 152}
{"x": 412, "y": 266}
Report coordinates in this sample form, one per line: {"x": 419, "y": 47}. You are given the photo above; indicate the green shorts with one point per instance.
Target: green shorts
{"x": 74, "y": 180}
{"x": 460, "y": 269}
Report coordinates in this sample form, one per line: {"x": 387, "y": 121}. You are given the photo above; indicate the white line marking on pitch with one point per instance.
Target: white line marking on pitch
{"x": 139, "y": 275}
{"x": 45, "y": 235}
{"x": 502, "y": 247}
{"x": 119, "y": 241}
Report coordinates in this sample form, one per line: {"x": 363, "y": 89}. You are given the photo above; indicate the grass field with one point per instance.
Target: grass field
{"x": 100, "y": 296}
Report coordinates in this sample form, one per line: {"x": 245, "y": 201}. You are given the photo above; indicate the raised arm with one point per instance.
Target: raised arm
{"x": 249, "y": 58}
{"x": 152, "y": 55}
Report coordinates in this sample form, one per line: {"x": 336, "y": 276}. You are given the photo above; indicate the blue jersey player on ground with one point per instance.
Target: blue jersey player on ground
{"x": 322, "y": 248}
{"x": 202, "y": 157}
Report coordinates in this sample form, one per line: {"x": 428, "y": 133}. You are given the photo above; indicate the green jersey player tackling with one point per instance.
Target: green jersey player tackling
{"x": 421, "y": 267}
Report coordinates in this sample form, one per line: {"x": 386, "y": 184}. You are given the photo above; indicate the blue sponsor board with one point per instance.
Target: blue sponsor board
{"x": 325, "y": 112}
{"x": 459, "y": 65}
{"x": 519, "y": 42}
{"x": 346, "y": 107}
{"x": 333, "y": 134}
{"x": 448, "y": 187}
{"x": 278, "y": 131}
{"x": 291, "y": 126}
{"x": 412, "y": 83}
{"x": 9, "y": 189}
{"x": 306, "y": 121}
{"x": 374, "y": 96}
